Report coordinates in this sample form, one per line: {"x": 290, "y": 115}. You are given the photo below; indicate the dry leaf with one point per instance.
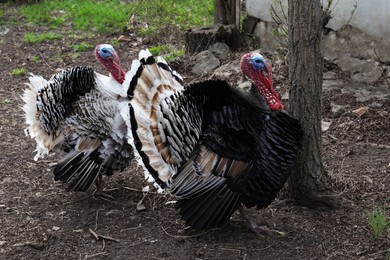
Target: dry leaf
{"x": 123, "y": 38}
{"x": 360, "y": 111}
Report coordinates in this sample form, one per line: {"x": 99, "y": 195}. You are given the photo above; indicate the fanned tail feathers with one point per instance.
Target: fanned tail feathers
{"x": 46, "y": 103}
{"x": 151, "y": 83}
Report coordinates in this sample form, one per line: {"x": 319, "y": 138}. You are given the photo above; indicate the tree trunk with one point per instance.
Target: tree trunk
{"x": 309, "y": 184}
{"x": 227, "y": 12}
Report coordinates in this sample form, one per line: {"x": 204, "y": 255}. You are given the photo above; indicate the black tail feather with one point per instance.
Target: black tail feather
{"x": 80, "y": 170}
{"x": 211, "y": 209}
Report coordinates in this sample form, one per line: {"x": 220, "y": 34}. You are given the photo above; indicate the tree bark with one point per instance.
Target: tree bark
{"x": 309, "y": 184}
{"x": 227, "y": 12}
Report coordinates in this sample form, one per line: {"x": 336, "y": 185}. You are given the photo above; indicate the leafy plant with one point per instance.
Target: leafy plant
{"x": 34, "y": 38}
{"x": 19, "y": 72}
{"x": 36, "y": 58}
{"x": 378, "y": 222}
{"x": 158, "y": 50}
{"x": 174, "y": 55}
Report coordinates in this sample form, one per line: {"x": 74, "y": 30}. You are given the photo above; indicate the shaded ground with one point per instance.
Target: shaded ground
{"x": 39, "y": 220}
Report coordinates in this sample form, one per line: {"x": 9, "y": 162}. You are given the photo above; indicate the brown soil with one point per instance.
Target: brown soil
{"x": 40, "y": 220}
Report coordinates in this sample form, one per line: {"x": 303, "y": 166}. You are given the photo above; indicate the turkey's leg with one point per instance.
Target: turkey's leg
{"x": 99, "y": 183}
{"x": 259, "y": 230}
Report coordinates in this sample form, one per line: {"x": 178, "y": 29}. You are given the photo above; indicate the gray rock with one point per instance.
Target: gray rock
{"x": 220, "y": 50}
{"x": 231, "y": 67}
{"x": 264, "y": 31}
{"x": 285, "y": 96}
{"x": 325, "y": 125}
{"x": 329, "y": 75}
{"x": 205, "y": 62}
{"x": 354, "y": 42}
{"x": 368, "y": 76}
{"x": 332, "y": 84}
{"x": 246, "y": 85}
{"x": 347, "y": 63}
{"x": 376, "y": 105}
{"x": 365, "y": 92}
{"x": 338, "y": 109}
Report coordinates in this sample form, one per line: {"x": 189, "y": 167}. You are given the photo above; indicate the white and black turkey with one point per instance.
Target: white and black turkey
{"x": 78, "y": 111}
{"x": 211, "y": 145}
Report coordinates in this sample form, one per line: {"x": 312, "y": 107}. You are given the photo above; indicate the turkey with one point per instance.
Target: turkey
{"x": 214, "y": 147}
{"x": 78, "y": 111}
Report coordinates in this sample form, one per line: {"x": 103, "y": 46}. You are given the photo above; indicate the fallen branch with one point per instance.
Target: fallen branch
{"x": 99, "y": 237}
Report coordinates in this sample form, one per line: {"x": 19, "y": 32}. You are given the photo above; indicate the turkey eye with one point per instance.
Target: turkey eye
{"x": 104, "y": 51}
{"x": 257, "y": 61}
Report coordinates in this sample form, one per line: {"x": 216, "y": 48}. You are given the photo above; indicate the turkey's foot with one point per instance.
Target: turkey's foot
{"x": 259, "y": 230}
{"x": 100, "y": 191}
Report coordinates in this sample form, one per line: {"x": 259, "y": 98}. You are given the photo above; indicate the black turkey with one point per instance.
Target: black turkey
{"x": 79, "y": 111}
{"x": 211, "y": 145}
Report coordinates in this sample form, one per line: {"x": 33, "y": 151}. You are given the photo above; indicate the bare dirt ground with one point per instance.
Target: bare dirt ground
{"x": 40, "y": 220}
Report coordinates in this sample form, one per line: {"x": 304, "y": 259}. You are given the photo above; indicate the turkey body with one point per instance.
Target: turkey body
{"x": 78, "y": 111}
{"x": 209, "y": 144}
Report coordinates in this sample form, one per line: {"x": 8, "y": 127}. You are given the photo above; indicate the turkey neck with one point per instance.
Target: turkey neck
{"x": 116, "y": 70}
{"x": 268, "y": 92}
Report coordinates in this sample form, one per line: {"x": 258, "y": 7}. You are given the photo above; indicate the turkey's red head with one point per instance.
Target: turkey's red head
{"x": 108, "y": 57}
{"x": 259, "y": 71}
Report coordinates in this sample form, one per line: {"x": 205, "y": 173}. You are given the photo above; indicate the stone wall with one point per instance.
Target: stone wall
{"x": 366, "y": 37}
{"x": 370, "y": 16}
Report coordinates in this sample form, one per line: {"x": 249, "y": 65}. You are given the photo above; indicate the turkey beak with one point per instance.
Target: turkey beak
{"x": 115, "y": 58}
{"x": 264, "y": 75}
{"x": 265, "y": 71}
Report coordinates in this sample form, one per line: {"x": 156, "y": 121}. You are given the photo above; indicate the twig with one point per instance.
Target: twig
{"x": 126, "y": 229}
{"x": 94, "y": 234}
{"x": 109, "y": 238}
{"x": 103, "y": 244}
{"x": 98, "y": 236}
{"x": 96, "y": 218}
{"x": 196, "y": 235}
{"x": 44, "y": 60}
{"x": 140, "y": 191}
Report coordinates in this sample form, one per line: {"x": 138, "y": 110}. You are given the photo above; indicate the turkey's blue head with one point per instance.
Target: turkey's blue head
{"x": 259, "y": 71}
{"x": 108, "y": 57}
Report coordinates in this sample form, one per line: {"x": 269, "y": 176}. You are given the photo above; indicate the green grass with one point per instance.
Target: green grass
{"x": 168, "y": 52}
{"x": 378, "y": 222}
{"x": 36, "y": 58}
{"x": 82, "y": 47}
{"x": 19, "y": 72}
{"x": 34, "y": 38}
{"x": 114, "y": 15}
{"x": 159, "y": 50}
